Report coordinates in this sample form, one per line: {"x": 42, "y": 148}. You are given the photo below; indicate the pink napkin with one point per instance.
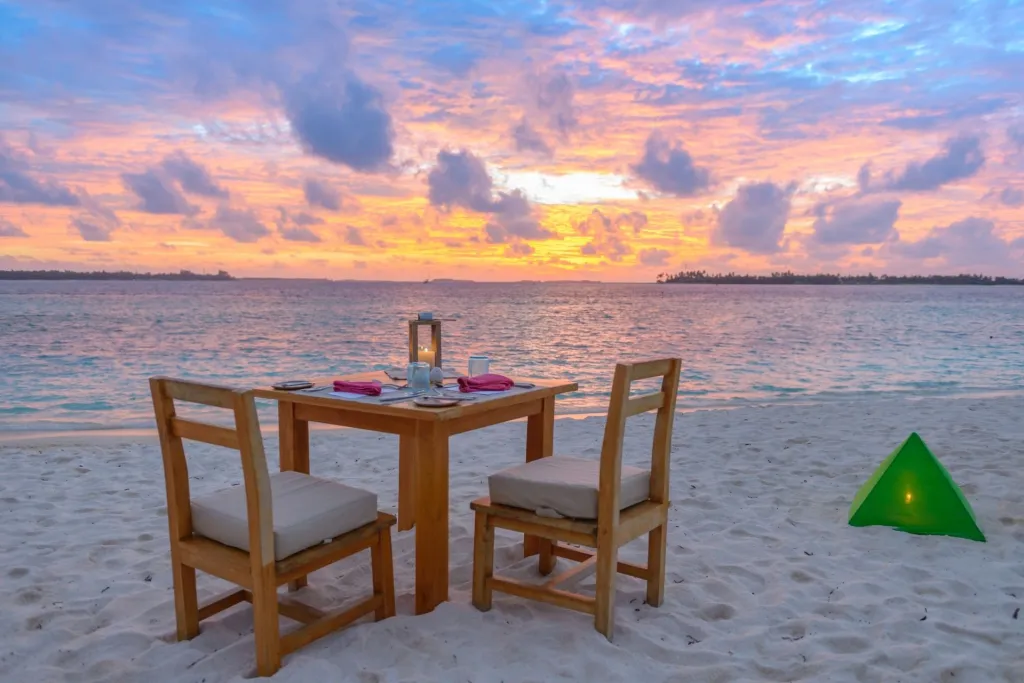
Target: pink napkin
{"x": 485, "y": 383}
{"x": 364, "y": 388}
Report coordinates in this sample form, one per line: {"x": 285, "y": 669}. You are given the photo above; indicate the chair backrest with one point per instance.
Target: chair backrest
{"x": 622, "y": 406}
{"x": 245, "y": 437}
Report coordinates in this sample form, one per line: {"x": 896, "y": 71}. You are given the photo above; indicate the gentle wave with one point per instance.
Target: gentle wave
{"x": 77, "y": 355}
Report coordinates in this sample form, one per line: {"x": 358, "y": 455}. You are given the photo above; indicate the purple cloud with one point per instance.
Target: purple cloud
{"x": 18, "y": 187}
{"x": 495, "y": 234}
{"x": 457, "y": 59}
{"x": 1016, "y": 135}
{"x": 1012, "y": 196}
{"x": 241, "y": 225}
{"x": 554, "y": 97}
{"x": 755, "y": 219}
{"x": 527, "y": 139}
{"x": 957, "y": 112}
{"x": 856, "y": 220}
{"x": 192, "y": 176}
{"x": 298, "y": 233}
{"x": 669, "y": 168}
{"x": 961, "y": 158}
{"x": 655, "y": 9}
{"x": 156, "y": 194}
{"x": 8, "y": 229}
{"x": 970, "y": 242}
{"x": 91, "y": 230}
{"x": 321, "y": 194}
{"x": 342, "y": 120}
{"x": 654, "y": 257}
{"x": 636, "y": 220}
{"x": 96, "y": 223}
{"x": 606, "y": 238}
{"x": 461, "y": 179}
{"x": 517, "y": 249}
{"x": 294, "y": 227}
{"x": 354, "y": 236}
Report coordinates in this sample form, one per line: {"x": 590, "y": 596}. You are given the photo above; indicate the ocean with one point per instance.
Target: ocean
{"x": 76, "y": 355}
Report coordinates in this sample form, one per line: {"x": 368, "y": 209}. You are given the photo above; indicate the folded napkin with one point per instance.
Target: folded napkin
{"x": 364, "y": 388}
{"x": 485, "y": 383}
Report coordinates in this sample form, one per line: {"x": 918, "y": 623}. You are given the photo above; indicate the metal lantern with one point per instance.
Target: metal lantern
{"x": 427, "y": 354}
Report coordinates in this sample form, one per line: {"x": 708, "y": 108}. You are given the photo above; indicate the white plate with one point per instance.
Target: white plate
{"x": 435, "y": 402}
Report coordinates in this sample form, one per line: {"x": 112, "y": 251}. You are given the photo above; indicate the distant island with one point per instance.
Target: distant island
{"x": 108, "y": 275}
{"x": 698, "y": 277}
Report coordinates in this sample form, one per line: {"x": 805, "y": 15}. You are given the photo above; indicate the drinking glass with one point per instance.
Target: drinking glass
{"x": 478, "y": 365}
{"x": 417, "y": 375}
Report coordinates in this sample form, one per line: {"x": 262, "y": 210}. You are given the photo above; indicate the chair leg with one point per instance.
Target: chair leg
{"x": 546, "y": 563}
{"x": 298, "y": 584}
{"x": 383, "y": 574}
{"x": 186, "y": 601}
{"x": 656, "y": 541}
{"x": 483, "y": 562}
{"x": 604, "y": 598}
{"x": 265, "y": 622}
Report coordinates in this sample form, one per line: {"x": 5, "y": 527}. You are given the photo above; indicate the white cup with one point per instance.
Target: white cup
{"x": 478, "y": 365}
{"x": 417, "y": 376}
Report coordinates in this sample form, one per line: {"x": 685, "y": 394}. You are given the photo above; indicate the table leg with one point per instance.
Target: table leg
{"x": 407, "y": 450}
{"x": 294, "y": 438}
{"x": 431, "y": 516}
{"x": 540, "y": 437}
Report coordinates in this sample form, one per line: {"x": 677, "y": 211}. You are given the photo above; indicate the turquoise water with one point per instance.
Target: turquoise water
{"x": 76, "y": 355}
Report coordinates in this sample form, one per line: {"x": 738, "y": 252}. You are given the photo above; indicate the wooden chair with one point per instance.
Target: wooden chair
{"x": 597, "y": 504}
{"x": 263, "y": 534}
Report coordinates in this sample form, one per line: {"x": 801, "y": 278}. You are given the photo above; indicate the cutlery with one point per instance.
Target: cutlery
{"x": 398, "y": 399}
{"x": 313, "y": 390}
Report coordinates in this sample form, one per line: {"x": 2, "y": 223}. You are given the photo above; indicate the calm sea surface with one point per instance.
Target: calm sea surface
{"x": 76, "y": 355}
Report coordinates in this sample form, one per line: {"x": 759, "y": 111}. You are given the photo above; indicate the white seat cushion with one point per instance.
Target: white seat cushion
{"x": 564, "y": 487}
{"x": 306, "y": 512}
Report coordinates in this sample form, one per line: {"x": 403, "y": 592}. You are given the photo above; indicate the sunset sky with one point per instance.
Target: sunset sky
{"x": 597, "y": 139}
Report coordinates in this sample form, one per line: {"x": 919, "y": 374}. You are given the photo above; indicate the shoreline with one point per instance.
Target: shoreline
{"x": 30, "y": 436}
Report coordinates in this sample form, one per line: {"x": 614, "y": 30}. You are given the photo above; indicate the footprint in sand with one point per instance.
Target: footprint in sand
{"x": 719, "y": 612}
{"x": 801, "y": 576}
{"x": 846, "y": 645}
{"x": 28, "y": 596}
{"x": 930, "y": 590}
{"x": 39, "y": 621}
{"x": 794, "y": 629}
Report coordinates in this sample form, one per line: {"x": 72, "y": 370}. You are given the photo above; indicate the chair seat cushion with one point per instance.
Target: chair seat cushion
{"x": 564, "y": 487}
{"x": 306, "y": 511}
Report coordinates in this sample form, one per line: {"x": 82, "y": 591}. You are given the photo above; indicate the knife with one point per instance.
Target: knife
{"x": 398, "y": 399}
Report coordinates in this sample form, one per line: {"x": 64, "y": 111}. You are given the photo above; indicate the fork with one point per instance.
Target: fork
{"x": 313, "y": 390}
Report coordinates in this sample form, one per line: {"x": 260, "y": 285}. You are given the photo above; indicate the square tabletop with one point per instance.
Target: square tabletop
{"x": 484, "y": 402}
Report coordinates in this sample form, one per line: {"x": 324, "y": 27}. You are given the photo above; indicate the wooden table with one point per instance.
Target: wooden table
{"x": 422, "y": 454}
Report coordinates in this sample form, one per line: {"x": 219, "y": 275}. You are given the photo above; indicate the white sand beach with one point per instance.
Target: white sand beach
{"x": 766, "y": 582}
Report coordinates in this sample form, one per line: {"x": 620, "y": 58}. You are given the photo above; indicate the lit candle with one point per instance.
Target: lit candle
{"x": 426, "y": 356}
